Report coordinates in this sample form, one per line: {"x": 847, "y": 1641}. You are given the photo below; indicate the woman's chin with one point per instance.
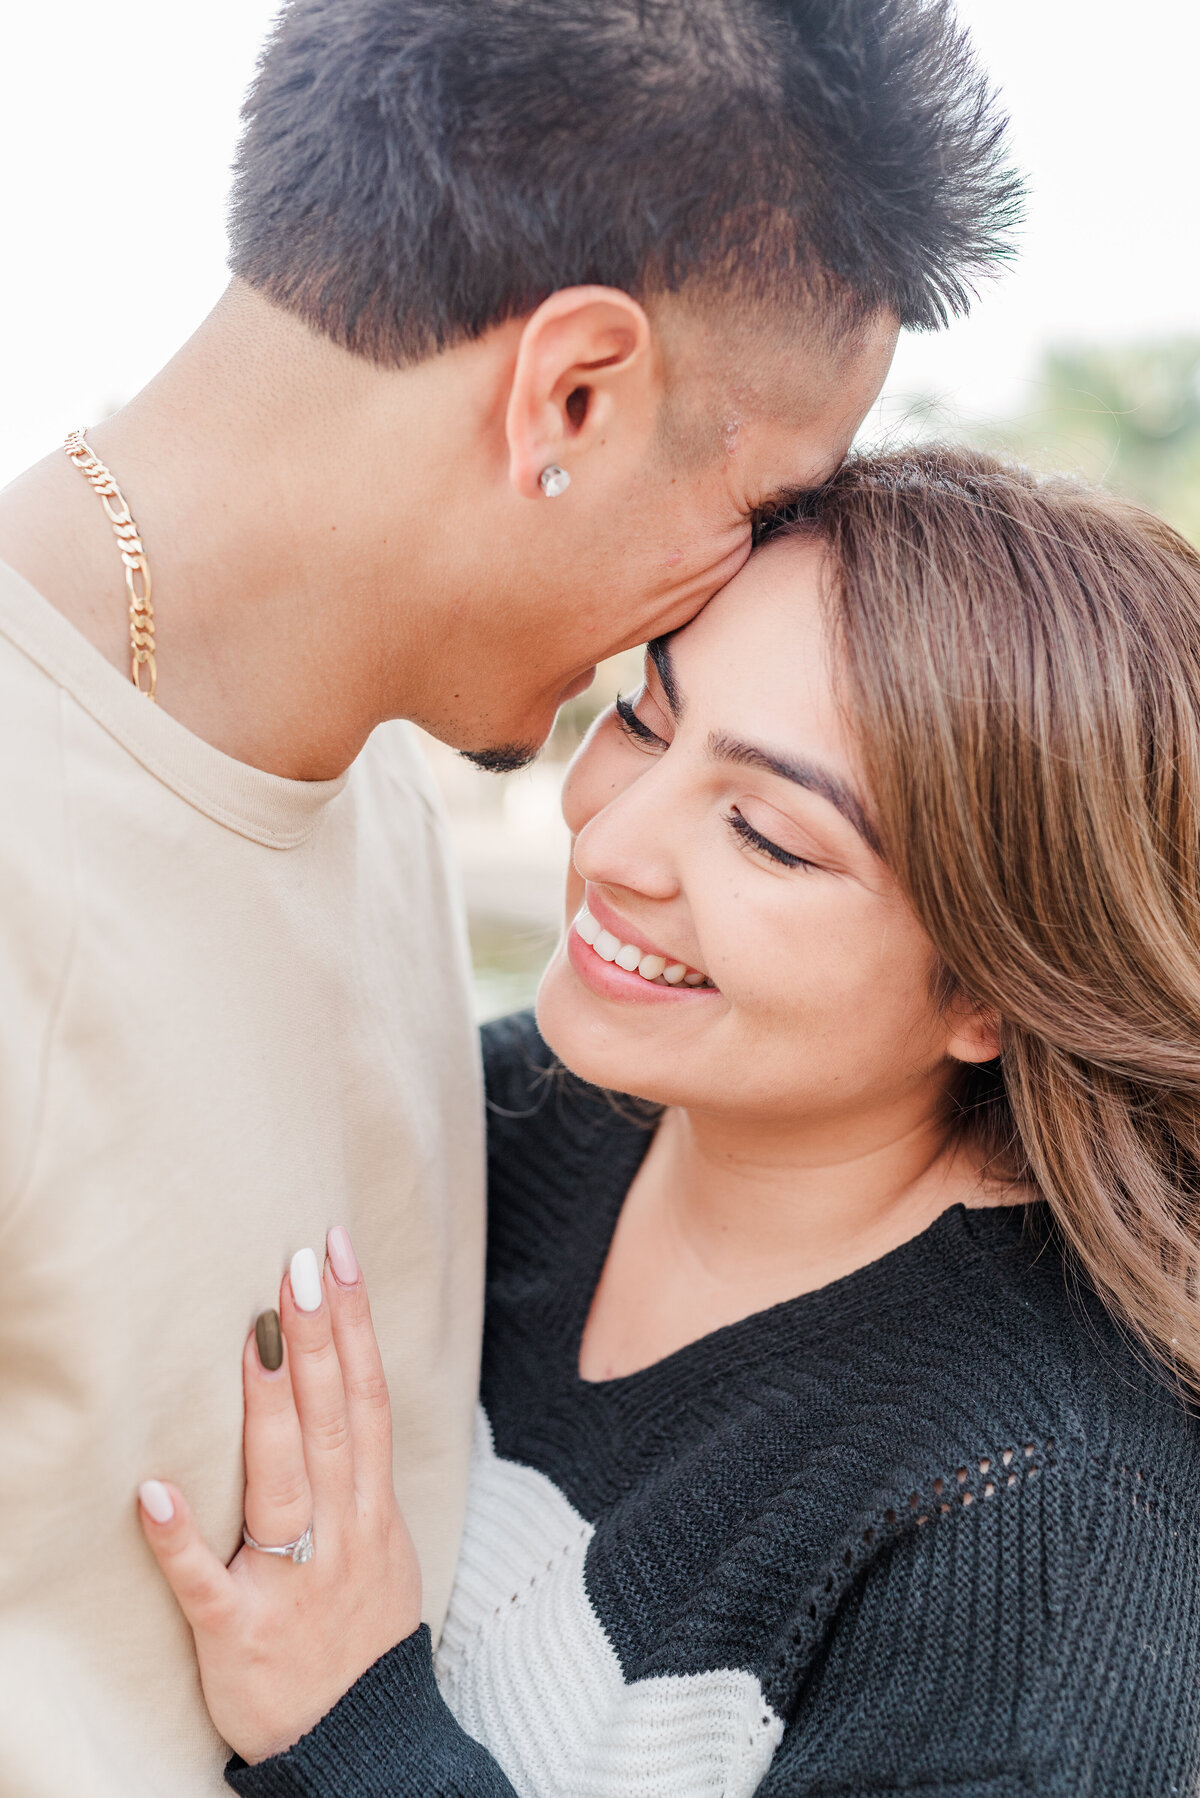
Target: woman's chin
{"x": 613, "y": 1040}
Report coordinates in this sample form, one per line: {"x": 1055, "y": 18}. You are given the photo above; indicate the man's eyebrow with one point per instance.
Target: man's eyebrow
{"x": 816, "y": 779}
{"x": 660, "y": 654}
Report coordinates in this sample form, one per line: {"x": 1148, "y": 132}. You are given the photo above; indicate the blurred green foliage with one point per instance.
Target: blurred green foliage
{"x": 1127, "y": 416}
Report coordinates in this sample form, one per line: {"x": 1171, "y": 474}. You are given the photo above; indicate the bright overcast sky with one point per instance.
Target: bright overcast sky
{"x": 117, "y": 122}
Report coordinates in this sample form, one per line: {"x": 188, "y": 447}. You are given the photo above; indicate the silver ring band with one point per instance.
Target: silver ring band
{"x": 299, "y": 1551}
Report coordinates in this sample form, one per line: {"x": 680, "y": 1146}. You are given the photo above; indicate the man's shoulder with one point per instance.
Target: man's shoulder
{"x": 33, "y": 782}
{"x": 30, "y": 698}
{"x": 38, "y": 893}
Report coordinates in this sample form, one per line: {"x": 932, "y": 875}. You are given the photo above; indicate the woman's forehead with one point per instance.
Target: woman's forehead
{"x": 780, "y": 588}
{"x": 765, "y": 631}
{"x": 756, "y": 661}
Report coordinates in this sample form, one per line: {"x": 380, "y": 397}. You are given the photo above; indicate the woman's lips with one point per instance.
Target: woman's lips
{"x": 629, "y": 937}
{"x": 623, "y": 970}
{"x": 608, "y": 981}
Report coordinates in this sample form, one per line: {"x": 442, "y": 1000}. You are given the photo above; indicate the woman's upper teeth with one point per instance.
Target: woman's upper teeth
{"x": 632, "y": 959}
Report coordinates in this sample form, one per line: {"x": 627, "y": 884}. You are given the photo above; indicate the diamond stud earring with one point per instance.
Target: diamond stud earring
{"x": 554, "y": 480}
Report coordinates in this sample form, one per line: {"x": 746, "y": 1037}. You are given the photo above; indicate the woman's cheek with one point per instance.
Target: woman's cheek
{"x": 602, "y": 767}
{"x": 785, "y": 952}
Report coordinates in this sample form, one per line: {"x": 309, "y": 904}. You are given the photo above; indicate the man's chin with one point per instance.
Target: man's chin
{"x": 502, "y": 758}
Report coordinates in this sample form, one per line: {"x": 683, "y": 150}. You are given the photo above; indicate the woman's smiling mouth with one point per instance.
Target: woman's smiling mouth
{"x": 603, "y": 958}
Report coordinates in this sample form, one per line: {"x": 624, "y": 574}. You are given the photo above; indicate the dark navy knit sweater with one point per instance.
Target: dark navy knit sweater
{"x": 932, "y": 1529}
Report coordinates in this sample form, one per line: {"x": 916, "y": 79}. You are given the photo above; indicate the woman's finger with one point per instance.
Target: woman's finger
{"x": 317, "y": 1385}
{"x": 199, "y": 1579}
{"x": 368, "y": 1404}
{"x": 279, "y": 1505}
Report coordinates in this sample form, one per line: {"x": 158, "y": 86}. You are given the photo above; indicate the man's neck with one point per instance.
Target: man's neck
{"x": 284, "y": 634}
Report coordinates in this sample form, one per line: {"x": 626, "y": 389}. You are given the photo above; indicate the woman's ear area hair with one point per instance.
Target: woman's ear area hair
{"x": 586, "y": 372}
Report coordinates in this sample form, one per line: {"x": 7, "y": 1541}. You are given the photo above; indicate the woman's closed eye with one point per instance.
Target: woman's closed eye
{"x": 754, "y": 839}
{"x": 634, "y": 727}
{"x": 640, "y": 733}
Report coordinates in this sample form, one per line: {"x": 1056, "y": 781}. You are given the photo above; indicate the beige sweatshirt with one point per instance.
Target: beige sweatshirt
{"x": 233, "y": 1011}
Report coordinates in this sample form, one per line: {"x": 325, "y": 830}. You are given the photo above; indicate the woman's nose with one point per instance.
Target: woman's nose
{"x": 630, "y": 843}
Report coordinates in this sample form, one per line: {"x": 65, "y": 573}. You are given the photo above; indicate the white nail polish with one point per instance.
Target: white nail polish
{"x": 156, "y": 1501}
{"x": 305, "y": 1276}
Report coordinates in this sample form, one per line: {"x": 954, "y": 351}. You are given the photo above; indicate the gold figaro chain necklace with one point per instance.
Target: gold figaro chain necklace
{"x": 133, "y": 555}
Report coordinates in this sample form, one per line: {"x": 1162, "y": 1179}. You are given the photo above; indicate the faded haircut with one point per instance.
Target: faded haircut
{"x": 413, "y": 172}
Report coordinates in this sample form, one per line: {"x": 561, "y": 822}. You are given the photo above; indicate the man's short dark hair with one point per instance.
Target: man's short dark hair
{"x": 413, "y": 172}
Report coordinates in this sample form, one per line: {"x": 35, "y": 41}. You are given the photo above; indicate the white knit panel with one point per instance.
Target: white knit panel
{"x": 527, "y": 1669}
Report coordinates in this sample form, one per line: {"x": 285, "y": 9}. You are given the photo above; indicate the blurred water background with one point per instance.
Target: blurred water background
{"x": 117, "y": 125}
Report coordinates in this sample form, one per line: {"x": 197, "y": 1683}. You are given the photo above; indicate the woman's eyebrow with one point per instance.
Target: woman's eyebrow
{"x": 724, "y": 748}
{"x": 811, "y": 775}
{"x": 660, "y": 655}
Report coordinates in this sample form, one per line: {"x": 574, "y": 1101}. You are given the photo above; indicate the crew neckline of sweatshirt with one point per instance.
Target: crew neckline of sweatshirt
{"x": 267, "y": 808}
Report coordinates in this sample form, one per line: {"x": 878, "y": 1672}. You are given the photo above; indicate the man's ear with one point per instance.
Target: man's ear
{"x": 585, "y": 363}
{"x": 975, "y": 1030}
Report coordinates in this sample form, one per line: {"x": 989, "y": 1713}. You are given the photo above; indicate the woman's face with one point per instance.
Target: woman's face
{"x": 722, "y": 824}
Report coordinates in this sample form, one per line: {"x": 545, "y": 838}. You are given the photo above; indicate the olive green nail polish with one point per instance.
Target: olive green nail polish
{"x": 269, "y": 1340}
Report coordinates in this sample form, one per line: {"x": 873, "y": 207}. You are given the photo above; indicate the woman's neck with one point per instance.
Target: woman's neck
{"x": 726, "y": 1218}
{"x": 753, "y": 1196}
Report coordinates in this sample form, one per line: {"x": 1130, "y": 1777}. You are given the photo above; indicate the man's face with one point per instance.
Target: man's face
{"x": 745, "y": 423}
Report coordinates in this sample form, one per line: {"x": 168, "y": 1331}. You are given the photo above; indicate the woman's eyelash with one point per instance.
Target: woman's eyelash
{"x": 755, "y": 840}
{"x": 632, "y": 724}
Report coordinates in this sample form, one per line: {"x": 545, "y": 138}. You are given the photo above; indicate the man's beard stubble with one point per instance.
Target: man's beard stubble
{"x": 502, "y": 758}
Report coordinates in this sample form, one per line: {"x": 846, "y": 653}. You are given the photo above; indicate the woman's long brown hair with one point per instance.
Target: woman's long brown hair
{"x": 1022, "y": 674}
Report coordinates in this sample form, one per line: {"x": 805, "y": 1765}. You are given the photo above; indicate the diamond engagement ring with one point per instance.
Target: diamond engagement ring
{"x": 299, "y": 1551}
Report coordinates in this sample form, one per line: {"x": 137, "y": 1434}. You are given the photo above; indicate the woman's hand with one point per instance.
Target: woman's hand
{"x": 279, "y": 1643}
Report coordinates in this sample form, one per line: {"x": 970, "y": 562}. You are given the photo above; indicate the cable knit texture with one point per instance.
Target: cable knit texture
{"x": 934, "y": 1528}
